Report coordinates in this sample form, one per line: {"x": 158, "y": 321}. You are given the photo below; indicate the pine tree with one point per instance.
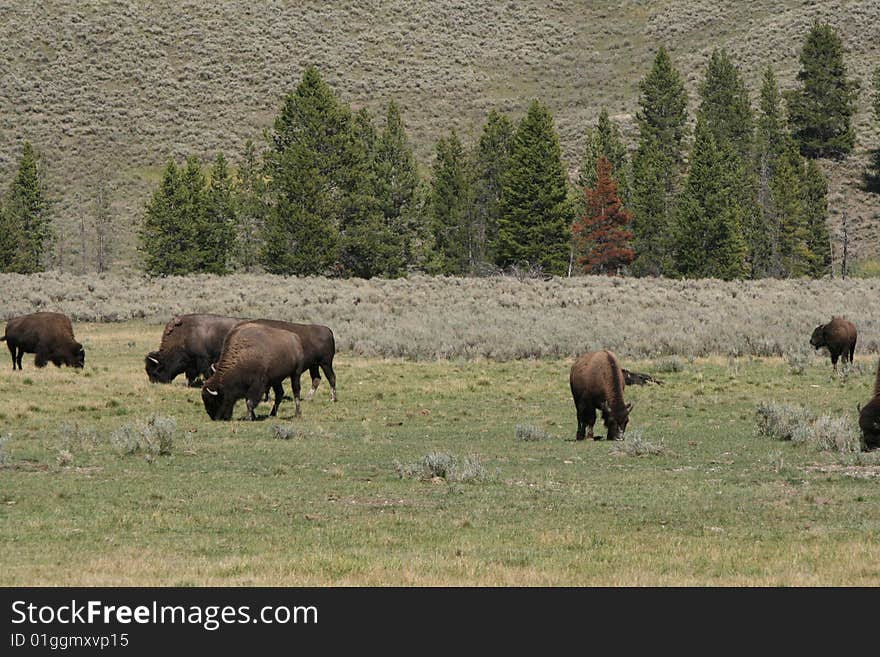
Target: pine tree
{"x": 217, "y": 234}
{"x": 164, "y": 242}
{"x": 604, "y": 141}
{"x": 311, "y": 174}
{"x": 820, "y": 110}
{"x": 794, "y": 257}
{"x": 25, "y": 223}
{"x": 657, "y": 165}
{"x": 602, "y": 231}
{"x": 814, "y": 188}
{"x": 726, "y": 112}
{"x": 397, "y": 182}
{"x": 369, "y": 245}
{"x": 772, "y": 141}
{"x": 250, "y": 209}
{"x": 709, "y": 238}
{"x": 449, "y": 203}
{"x": 491, "y": 162}
{"x": 535, "y": 218}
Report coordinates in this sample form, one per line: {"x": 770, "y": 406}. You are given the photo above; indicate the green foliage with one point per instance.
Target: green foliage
{"x": 311, "y": 167}
{"x": 25, "y": 225}
{"x": 789, "y": 220}
{"x": 725, "y": 106}
{"x": 490, "y": 166}
{"x": 189, "y": 222}
{"x": 250, "y": 211}
{"x": 821, "y": 108}
{"x": 709, "y": 234}
{"x": 872, "y": 175}
{"x": 657, "y": 165}
{"x": 604, "y": 141}
{"x": 814, "y": 188}
{"x": 533, "y": 226}
{"x": 450, "y": 196}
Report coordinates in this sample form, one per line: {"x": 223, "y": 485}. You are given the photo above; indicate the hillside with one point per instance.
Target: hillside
{"x": 111, "y": 89}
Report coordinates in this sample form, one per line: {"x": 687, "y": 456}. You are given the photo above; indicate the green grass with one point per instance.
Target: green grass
{"x": 233, "y": 504}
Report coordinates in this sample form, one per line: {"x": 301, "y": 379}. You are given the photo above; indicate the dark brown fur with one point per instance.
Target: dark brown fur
{"x": 839, "y": 335}
{"x": 48, "y": 335}
{"x": 869, "y": 416}
{"x": 637, "y": 378}
{"x": 254, "y": 358}
{"x": 190, "y": 343}
{"x": 319, "y": 348}
{"x": 597, "y": 383}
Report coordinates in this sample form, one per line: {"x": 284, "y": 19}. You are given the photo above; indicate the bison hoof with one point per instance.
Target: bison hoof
{"x": 579, "y": 437}
{"x": 597, "y": 437}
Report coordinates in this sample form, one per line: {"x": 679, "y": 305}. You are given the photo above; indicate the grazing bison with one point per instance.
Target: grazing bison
{"x": 597, "y": 383}
{"x": 48, "y": 335}
{"x": 190, "y": 343}
{"x": 839, "y": 335}
{"x": 254, "y": 358}
{"x": 869, "y": 416}
{"x": 319, "y": 348}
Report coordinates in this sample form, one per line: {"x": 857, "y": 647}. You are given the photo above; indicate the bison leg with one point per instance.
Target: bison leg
{"x": 254, "y": 394}
{"x": 279, "y": 395}
{"x": 297, "y": 389}
{"x": 41, "y": 359}
{"x": 331, "y": 378}
{"x": 315, "y": 373}
{"x": 586, "y": 417}
{"x": 12, "y": 352}
{"x": 20, "y": 354}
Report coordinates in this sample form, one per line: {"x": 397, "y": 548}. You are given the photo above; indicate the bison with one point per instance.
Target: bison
{"x": 48, "y": 335}
{"x": 597, "y": 383}
{"x": 638, "y": 378}
{"x": 839, "y": 335}
{"x": 869, "y": 417}
{"x": 319, "y": 348}
{"x": 255, "y": 357}
{"x": 190, "y": 343}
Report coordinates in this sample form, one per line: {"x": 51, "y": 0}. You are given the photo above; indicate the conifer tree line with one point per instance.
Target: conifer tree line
{"x": 735, "y": 191}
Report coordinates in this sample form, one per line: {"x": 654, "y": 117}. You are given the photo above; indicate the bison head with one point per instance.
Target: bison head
{"x": 216, "y": 401}
{"x": 817, "y": 340}
{"x": 79, "y": 356}
{"x": 163, "y": 366}
{"x": 616, "y": 421}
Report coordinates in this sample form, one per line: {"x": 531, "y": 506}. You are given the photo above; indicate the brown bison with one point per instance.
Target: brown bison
{"x": 597, "y": 383}
{"x": 190, "y": 343}
{"x": 839, "y": 335}
{"x": 48, "y": 335}
{"x": 319, "y": 348}
{"x": 869, "y": 417}
{"x": 254, "y": 358}
{"x": 638, "y": 378}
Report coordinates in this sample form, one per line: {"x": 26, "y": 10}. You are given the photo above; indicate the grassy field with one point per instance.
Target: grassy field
{"x": 235, "y": 504}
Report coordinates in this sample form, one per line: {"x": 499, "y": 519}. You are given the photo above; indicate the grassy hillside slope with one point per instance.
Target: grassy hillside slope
{"x": 111, "y": 89}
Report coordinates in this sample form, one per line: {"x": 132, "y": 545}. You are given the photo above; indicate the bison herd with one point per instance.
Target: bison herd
{"x": 238, "y": 358}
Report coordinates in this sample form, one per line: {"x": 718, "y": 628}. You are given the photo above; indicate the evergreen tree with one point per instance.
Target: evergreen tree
{"x": 657, "y": 165}
{"x": 602, "y": 231}
{"x": 772, "y": 141}
{"x": 789, "y": 220}
{"x": 726, "y": 112}
{"x": 397, "y": 182}
{"x": 24, "y": 218}
{"x": 217, "y": 234}
{"x": 164, "y": 241}
{"x": 872, "y": 175}
{"x": 449, "y": 202}
{"x": 814, "y": 187}
{"x": 491, "y": 162}
{"x": 604, "y": 141}
{"x": 820, "y": 110}
{"x": 535, "y": 218}
{"x": 310, "y": 188}
{"x": 250, "y": 209}
{"x": 709, "y": 237}
{"x": 370, "y": 246}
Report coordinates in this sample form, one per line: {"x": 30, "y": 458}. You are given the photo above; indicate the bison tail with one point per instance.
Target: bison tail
{"x": 3, "y": 339}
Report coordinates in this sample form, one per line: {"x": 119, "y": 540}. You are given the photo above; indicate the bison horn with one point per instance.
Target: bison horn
{"x": 213, "y": 369}
{"x": 153, "y": 359}
{"x": 211, "y": 392}
{"x": 629, "y": 407}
